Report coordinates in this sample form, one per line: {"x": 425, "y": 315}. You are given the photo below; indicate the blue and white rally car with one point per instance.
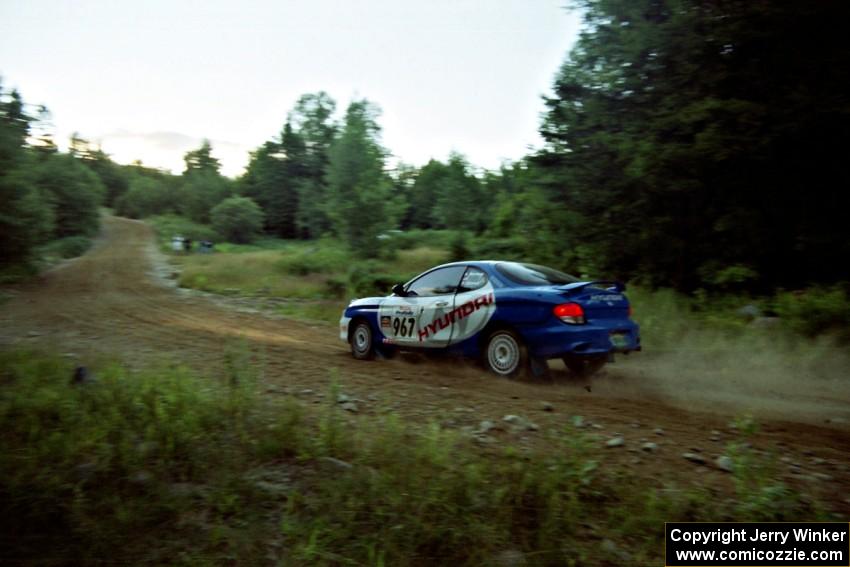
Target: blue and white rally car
{"x": 513, "y": 316}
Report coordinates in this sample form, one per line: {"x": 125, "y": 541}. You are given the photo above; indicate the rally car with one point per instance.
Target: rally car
{"x": 512, "y": 316}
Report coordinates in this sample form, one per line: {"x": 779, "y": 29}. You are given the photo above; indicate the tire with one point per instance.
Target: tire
{"x": 505, "y": 354}
{"x": 362, "y": 341}
{"x": 584, "y": 366}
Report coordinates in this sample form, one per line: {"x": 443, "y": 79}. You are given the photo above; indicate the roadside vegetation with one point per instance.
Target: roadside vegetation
{"x": 314, "y": 280}
{"x": 163, "y": 466}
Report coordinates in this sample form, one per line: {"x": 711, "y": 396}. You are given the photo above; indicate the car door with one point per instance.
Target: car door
{"x": 432, "y": 294}
{"x": 474, "y": 305}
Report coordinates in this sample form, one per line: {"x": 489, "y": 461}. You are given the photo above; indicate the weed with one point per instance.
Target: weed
{"x": 63, "y": 248}
{"x": 167, "y": 226}
{"x": 164, "y": 467}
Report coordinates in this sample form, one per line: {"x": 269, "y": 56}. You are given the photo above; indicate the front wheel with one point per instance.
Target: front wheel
{"x": 505, "y": 354}
{"x": 584, "y": 366}
{"x": 362, "y": 344}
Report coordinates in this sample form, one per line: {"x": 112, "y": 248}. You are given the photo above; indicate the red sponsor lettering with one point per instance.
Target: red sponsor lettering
{"x": 447, "y": 320}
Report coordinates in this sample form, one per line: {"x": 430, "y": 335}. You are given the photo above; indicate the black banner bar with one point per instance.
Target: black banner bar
{"x": 757, "y": 544}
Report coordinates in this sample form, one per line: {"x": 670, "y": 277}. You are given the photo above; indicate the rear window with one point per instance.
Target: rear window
{"x": 532, "y": 274}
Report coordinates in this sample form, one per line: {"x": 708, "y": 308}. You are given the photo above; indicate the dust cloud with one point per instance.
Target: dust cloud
{"x": 781, "y": 379}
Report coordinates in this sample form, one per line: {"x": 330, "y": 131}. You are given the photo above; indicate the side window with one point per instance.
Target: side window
{"x": 439, "y": 282}
{"x": 473, "y": 279}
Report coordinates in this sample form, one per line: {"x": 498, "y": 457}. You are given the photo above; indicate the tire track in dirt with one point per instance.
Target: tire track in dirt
{"x": 107, "y": 304}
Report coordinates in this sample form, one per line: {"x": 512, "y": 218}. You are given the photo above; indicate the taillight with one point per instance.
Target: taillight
{"x": 631, "y": 311}
{"x": 571, "y": 313}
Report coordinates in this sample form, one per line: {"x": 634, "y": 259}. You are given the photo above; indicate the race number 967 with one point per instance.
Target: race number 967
{"x": 404, "y": 326}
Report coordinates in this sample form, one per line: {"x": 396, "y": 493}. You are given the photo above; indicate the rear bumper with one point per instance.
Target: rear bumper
{"x": 592, "y": 339}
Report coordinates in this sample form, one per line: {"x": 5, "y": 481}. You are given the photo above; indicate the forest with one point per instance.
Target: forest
{"x": 688, "y": 145}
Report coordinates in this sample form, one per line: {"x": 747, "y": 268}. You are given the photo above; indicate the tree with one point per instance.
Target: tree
{"x": 403, "y": 180}
{"x": 312, "y": 121}
{"x": 26, "y": 219}
{"x": 358, "y": 187}
{"x": 459, "y": 204}
{"x": 146, "y": 196}
{"x": 424, "y": 194}
{"x": 201, "y": 160}
{"x": 113, "y": 177}
{"x": 688, "y": 135}
{"x": 202, "y": 187}
{"x": 74, "y": 192}
{"x": 287, "y": 175}
{"x": 237, "y": 219}
{"x": 272, "y": 180}
{"x": 14, "y": 129}
{"x": 199, "y": 192}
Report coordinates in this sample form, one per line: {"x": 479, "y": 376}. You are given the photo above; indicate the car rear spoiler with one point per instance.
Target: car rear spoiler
{"x": 618, "y": 286}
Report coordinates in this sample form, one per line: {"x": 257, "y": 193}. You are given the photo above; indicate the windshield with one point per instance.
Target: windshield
{"x": 532, "y": 274}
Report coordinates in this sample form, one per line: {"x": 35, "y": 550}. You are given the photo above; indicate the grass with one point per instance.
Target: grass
{"x": 247, "y": 273}
{"x": 321, "y": 276}
{"x": 327, "y": 311}
{"x": 165, "y": 467}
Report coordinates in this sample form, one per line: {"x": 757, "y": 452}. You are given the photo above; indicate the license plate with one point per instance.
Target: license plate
{"x": 619, "y": 340}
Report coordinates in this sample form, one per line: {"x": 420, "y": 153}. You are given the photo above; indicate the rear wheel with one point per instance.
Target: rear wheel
{"x": 505, "y": 354}
{"x": 584, "y": 366}
{"x": 362, "y": 343}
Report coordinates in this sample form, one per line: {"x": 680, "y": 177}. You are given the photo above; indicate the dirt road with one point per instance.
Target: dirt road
{"x": 112, "y": 304}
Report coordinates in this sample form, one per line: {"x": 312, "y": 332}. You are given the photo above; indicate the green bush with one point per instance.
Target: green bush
{"x": 237, "y": 219}
{"x": 459, "y": 248}
{"x": 199, "y": 193}
{"x": 167, "y": 226}
{"x": 336, "y": 287}
{"x": 499, "y": 249}
{"x": 816, "y": 310}
{"x": 145, "y": 197}
{"x": 730, "y": 278}
{"x": 415, "y": 237}
{"x": 322, "y": 258}
{"x": 367, "y": 279}
{"x": 69, "y": 247}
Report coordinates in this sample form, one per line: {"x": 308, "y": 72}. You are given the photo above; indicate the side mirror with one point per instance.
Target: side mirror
{"x": 398, "y": 289}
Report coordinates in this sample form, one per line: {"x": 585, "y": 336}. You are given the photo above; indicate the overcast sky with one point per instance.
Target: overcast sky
{"x": 150, "y": 79}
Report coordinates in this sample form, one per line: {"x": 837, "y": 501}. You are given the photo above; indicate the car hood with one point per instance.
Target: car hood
{"x": 364, "y": 301}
